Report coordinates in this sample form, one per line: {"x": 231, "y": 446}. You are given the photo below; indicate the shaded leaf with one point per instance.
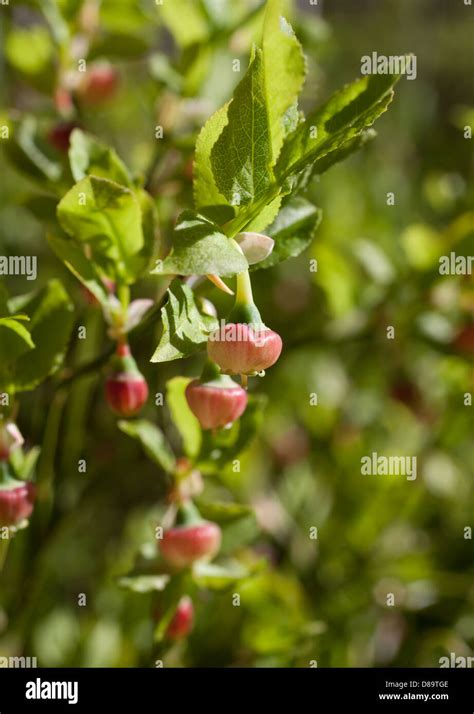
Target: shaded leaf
{"x": 183, "y": 418}
{"x": 15, "y": 340}
{"x": 152, "y": 440}
{"x": 345, "y": 150}
{"x": 149, "y": 215}
{"x": 217, "y": 451}
{"x": 43, "y": 207}
{"x": 293, "y": 231}
{"x": 238, "y": 523}
{"x": 74, "y": 258}
{"x": 24, "y": 463}
{"x": 119, "y": 46}
{"x": 185, "y": 328}
{"x": 26, "y": 154}
{"x": 88, "y": 155}
{"x": 51, "y": 320}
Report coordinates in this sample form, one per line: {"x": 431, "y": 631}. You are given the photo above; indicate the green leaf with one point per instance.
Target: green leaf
{"x": 200, "y": 248}
{"x": 213, "y": 576}
{"x": 329, "y": 135}
{"x": 219, "y": 12}
{"x": 218, "y": 451}
{"x": 144, "y": 583}
{"x": 206, "y": 192}
{"x": 15, "y": 340}
{"x": 285, "y": 70}
{"x": 88, "y": 155}
{"x": 152, "y": 440}
{"x": 259, "y": 117}
{"x": 265, "y": 216}
{"x": 238, "y": 523}
{"x": 218, "y": 214}
{"x": 293, "y": 231}
{"x": 343, "y": 117}
{"x": 42, "y": 206}
{"x": 242, "y": 156}
{"x": 75, "y": 260}
{"x": 4, "y": 311}
{"x": 30, "y": 51}
{"x": 183, "y": 418}
{"x": 223, "y": 512}
{"x": 338, "y": 280}
{"x": 51, "y": 320}
{"x": 107, "y": 218}
{"x": 55, "y": 20}
{"x": 26, "y": 154}
{"x": 185, "y": 20}
{"x": 374, "y": 261}
{"x": 119, "y": 46}
{"x": 195, "y": 68}
{"x": 185, "y": 329}
{"x": 239, "y": 533}
{"x": 345, "y": 150}
{"x": 161, "y": 69}
{"x": 150, "y": 230}
{"x": 320, "y": 166}
{"x": 24, "y": 463}
{"x": 128, "y": 16}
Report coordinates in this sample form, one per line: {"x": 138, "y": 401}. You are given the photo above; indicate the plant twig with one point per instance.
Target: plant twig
{"x": 98, "y": 362}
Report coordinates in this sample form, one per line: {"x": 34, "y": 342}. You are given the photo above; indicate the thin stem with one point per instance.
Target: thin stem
{"x": 4, "y": 543}
{"x": 88, "y": 367}
{"x": 244, "y": 294}
{"x": 80, "y": 394}
{"x": 46, "y": 467}
{"x": 102, "y": 359}
{"x": 242, "y": 220}
{"x": 157, "y": 156}
{"x": 154, "y": 313}
{"x": 124, "y": 296}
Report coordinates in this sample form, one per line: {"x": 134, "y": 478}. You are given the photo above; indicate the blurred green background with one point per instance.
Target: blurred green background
{"x": 318, "y": 600}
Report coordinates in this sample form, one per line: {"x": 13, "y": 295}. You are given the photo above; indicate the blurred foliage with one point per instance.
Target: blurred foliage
{"x": 309, "y": 599}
